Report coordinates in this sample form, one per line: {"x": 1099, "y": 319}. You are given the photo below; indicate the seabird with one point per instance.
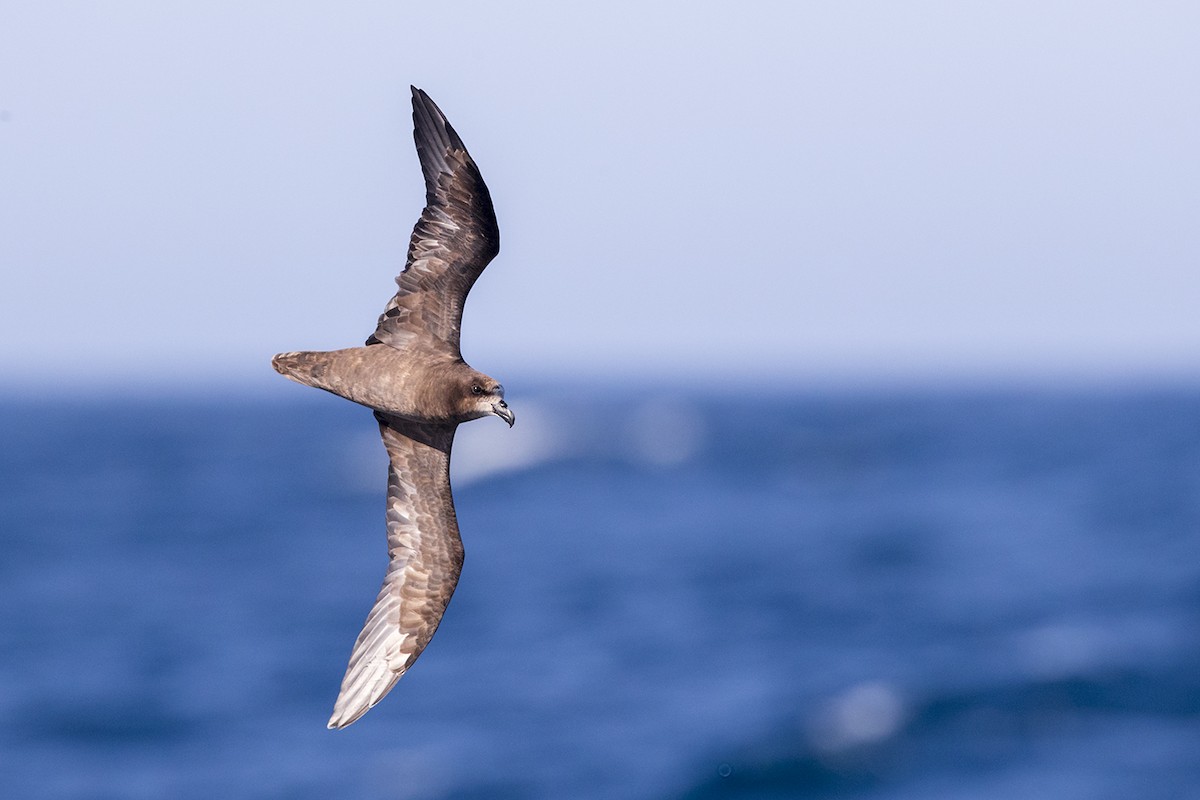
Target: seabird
{"x": 411, "y": 373}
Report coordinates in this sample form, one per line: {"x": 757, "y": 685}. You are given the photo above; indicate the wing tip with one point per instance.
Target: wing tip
{"x": 346, "y": 713}
{"x": 350, "y": 707}
{"x": 434, "y": 135}
{"x": 341, "y": 720}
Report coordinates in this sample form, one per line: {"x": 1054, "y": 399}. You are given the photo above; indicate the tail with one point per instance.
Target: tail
{"x": 308, "y": 368}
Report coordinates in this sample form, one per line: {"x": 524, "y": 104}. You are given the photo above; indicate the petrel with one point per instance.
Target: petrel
{"x": 411, "y": 373}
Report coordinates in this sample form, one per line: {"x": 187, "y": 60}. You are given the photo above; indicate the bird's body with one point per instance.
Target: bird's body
{"x": 407, "y": 383}
{"x": 412, "y": 375}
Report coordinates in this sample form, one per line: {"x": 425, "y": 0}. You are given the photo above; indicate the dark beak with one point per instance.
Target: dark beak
{"x": 505, "y": 413}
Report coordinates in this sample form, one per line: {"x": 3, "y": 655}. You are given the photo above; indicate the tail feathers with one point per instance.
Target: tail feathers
{"x": 308, "y": 368}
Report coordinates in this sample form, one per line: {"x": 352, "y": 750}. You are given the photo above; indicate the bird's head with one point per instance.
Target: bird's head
{"x": 482, "y": 396}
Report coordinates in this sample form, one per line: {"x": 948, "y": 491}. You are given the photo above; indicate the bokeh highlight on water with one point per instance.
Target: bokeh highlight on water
{"x": 936, "y": 594}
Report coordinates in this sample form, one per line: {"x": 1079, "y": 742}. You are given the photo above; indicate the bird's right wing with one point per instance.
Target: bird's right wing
{"x": 425, "y": 556}
{"x": 452, "y": 242}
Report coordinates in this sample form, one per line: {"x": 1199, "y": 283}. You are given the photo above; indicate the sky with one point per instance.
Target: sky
{"x": 705, "y": 192}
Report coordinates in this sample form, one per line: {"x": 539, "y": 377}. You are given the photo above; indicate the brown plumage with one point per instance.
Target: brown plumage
{"x": 412, "y": 374}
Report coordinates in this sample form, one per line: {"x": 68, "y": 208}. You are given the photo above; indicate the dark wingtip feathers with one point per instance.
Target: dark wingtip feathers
{"x": 434, "y": 136}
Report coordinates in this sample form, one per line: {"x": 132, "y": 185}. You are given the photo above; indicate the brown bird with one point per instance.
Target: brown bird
{"x": 413, "y": 376}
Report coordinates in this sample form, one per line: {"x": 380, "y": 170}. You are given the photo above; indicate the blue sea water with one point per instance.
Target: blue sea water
{"x": 938, "y": 594}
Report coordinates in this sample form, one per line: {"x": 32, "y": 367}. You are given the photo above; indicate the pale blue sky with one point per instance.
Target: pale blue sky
{"x": 692, "y": 189}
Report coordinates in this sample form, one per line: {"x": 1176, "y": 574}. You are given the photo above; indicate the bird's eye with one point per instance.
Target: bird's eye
{"x": 477, "y": 389}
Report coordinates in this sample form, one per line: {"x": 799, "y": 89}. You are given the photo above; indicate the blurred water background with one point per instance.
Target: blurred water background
{"x": 667, "y": 594}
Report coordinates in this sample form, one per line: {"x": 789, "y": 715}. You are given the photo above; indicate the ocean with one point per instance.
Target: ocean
{"x": 936, "y": 593}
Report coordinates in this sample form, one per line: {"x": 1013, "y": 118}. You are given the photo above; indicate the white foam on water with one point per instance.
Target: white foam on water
{"x": 666, "y": 432}
{"x": 863, "y": 714}
{"x": 488, "y": 447}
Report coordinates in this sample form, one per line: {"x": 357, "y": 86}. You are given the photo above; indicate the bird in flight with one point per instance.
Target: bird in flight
{"x": 412, "y": 374}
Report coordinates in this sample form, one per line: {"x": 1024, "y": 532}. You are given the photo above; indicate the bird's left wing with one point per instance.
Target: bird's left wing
{"x": 425, "y": 556}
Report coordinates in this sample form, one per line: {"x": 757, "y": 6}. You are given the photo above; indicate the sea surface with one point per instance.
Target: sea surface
{"x": 987, "y": 594}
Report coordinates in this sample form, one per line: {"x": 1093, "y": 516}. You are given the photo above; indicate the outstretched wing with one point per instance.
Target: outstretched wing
{"x": 425, "y": 556}
{"x": 453, "y": 241}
